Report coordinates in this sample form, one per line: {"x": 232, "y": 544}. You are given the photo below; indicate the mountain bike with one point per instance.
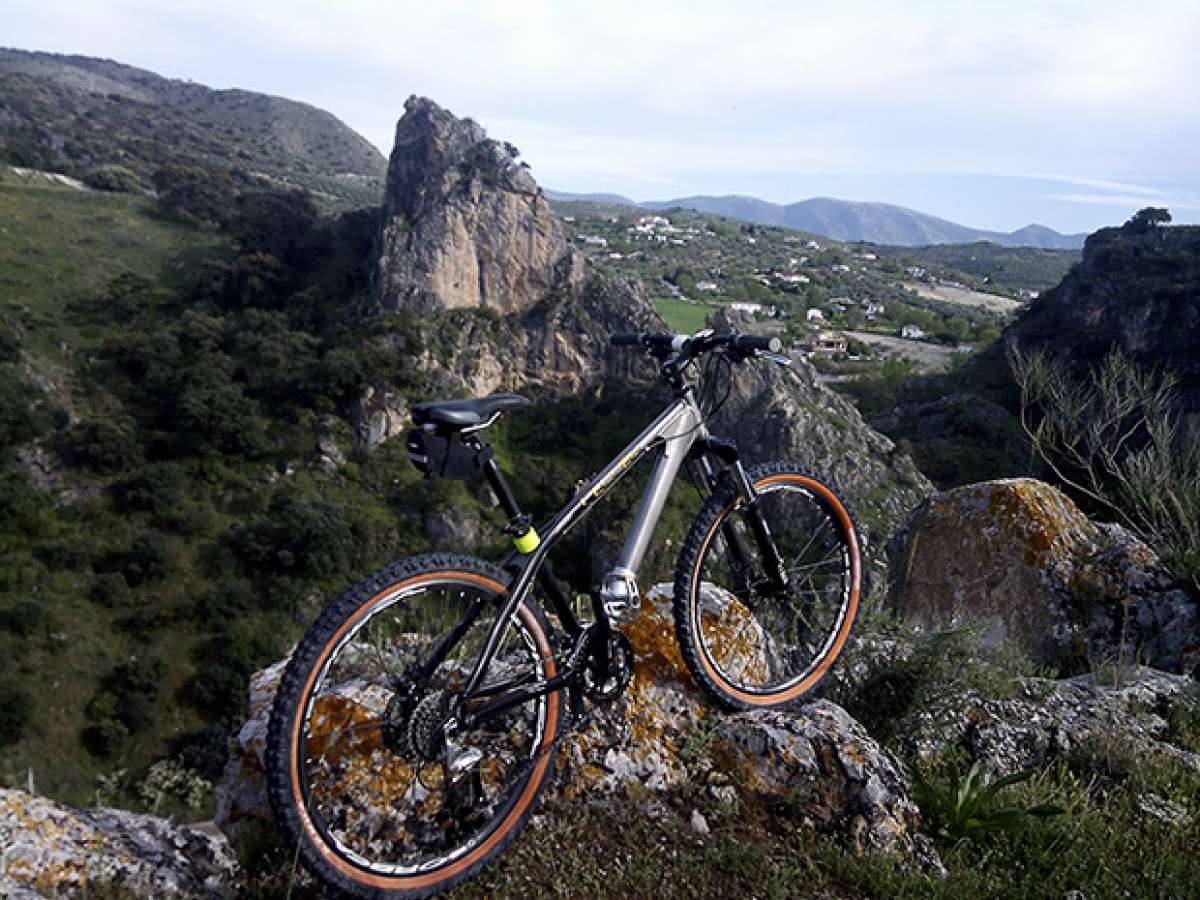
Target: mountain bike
{"x": 415, "y": 724}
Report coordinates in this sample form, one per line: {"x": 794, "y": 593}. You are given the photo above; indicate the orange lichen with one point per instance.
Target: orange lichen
{"x": 656, "y": 653}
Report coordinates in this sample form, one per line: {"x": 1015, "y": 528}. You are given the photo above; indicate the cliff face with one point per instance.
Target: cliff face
{"x": 1138, "y": 289}
{"x": 465, "y": 225}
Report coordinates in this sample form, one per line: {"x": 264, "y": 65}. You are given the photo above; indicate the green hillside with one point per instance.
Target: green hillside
{"x": 73, "y": 114}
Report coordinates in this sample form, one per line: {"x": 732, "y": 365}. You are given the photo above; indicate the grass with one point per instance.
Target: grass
{"x": 683, "y": 317}
{"x": 60, "y": 246}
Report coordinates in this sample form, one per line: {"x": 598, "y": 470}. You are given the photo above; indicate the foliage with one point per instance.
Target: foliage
{"x": 1113, "y": 438}
{"x": 965, "y": 807}
{"x": 113, "y": 178}
{"x": 16, "y": 710}
{"x": 172, "y": 780}
{"x": 1145, "y": 220}
{"x": 195, "y": 195}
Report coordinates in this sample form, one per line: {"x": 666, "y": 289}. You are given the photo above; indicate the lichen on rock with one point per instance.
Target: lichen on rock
{"x": 1018, "y": 559}
{"x": 47, "y": 849}
{"x": 836, "y": 776}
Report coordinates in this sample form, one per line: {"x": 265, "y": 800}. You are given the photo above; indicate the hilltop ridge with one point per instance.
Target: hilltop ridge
{"x": 73, "y": 113}
{"x": 849, "y": 220}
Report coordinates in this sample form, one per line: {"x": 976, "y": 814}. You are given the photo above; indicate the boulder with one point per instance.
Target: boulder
{"x": 1046, "y": 718}
{"x": 1018, "y": 559}
{"x": 660, "y": 733}
{"x": 47, "y": 849}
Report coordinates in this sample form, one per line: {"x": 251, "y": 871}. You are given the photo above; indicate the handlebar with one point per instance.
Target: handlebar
{"x": 734, "y": 346}
{"x": 747, "y": 343}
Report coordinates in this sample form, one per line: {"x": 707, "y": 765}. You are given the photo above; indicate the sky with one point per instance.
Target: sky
{"x": 993, "y": 114}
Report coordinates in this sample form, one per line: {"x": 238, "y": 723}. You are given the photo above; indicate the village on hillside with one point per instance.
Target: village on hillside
{"x": 845, "y": 306}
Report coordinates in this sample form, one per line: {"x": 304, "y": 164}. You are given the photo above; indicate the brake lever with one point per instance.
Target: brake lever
{"x": 779, "y": 358}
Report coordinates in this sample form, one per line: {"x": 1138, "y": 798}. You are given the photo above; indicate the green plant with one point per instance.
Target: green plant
{"x": 171, "y": 779}
{"x": 965, "y": 807}
{"x": 1114, "y": 437}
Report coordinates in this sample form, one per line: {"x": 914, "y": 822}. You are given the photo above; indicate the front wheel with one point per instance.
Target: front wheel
{"x": 753, "y": 639}
{"x": 371, "y": 780}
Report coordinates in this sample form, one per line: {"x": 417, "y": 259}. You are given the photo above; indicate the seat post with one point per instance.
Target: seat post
{"x": 499, "y": 484}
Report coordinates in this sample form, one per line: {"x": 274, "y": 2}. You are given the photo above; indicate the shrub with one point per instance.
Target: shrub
{"x": 16, "y": 709}
{"x": 195, "y": 195}
{"x": 157, "y": 488}
{"x": 109, "y": 590}
{"x": 23, "y": 617}
{"x": 105, "y": 446}
{"x": 1114, "y": 438}
{"x": 114, "y": 179}
{"x": 150, "y": 558}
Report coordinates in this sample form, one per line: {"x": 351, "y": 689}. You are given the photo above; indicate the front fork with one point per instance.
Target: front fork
{"x": 773, "y": 564}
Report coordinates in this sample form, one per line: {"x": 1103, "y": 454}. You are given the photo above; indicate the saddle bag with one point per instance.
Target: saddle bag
{"x": 444, "y": 456}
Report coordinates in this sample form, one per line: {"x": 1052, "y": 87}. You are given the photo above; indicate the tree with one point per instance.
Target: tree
{"x": 1145, "y": 220}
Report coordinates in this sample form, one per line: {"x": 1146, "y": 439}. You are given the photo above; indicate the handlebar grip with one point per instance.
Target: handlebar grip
{"x": 758, "y": 342}
{"x": 625, "y": 340}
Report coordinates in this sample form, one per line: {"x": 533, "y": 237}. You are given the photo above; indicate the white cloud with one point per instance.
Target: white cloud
{"x": 631, "y": 95}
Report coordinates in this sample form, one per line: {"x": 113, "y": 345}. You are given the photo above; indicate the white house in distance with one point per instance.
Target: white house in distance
{"x": 594, "y": 240}
{"x": 746, "y": 307}
{"x": 814, "y": 315}
{"x": 707, "y": 287}
{"x": 912, "y": 333}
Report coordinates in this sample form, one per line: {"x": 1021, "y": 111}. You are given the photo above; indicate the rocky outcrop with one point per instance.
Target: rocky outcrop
{"x": 784, "y": 413}
{"x": 51, "y": 850}
{"x": 465, "y": 225}
{"x": 1137, "y": 289}
{"x": 1048, "y": 718}
{"x": 1018, "y": 558}
{"x": 661, "y": 733}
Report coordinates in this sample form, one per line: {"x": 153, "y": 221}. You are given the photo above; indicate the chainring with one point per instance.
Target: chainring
{"x": 620, "y": 671}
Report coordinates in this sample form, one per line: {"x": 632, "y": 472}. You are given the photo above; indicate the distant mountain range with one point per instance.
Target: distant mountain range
{"x": 72, "y": 113}
{"x": 847, "y": 220}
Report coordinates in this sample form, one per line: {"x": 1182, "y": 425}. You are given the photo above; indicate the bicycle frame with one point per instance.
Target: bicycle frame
{"x": 673, "y": 434}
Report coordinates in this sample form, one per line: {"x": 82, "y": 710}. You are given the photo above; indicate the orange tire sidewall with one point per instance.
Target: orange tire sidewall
{"x": 427, "y": 879}
{"x": 806, "y": 683}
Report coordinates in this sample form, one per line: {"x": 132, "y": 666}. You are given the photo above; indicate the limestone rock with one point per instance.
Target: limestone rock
{"x": 51, "y": 850}
{"x": 1017, "y": 557}
{"x": 837, "y": 777}
{"x": 452, "y": 529}
{"x": 1048, "y": 717}
{"x": 659, "y": 734}
{"x": 378, "y": 415}
{"x": 464, "y": 223}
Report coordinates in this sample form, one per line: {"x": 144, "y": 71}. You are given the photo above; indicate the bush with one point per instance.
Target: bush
{"x": 109, "y": 590}
{"x": 104, "y": 447}
{"x": 308, "y": 537}
{"x": 16, "y": 709}
{"x": 23, "y": 618}
{"x": 114, "y": 179}
{"x": 157, "y": 488}
{"x": 150, "y": 558}
{"x": 20, "y": 419}
{"x": 196, "y": 196}
{"x": 1114, "y": 438}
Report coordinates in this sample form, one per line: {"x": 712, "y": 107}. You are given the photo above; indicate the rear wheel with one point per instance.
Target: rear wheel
{"x": 378, "y": 795}
{"x": 748, "y": 641}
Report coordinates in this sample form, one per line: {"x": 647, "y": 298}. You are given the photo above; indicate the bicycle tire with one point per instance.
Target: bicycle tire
{"x": 337, "y": 857}
{"x": 815, "y": 617}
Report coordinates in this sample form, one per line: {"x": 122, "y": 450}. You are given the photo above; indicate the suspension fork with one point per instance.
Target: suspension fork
{"x": 776, "y": 567}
